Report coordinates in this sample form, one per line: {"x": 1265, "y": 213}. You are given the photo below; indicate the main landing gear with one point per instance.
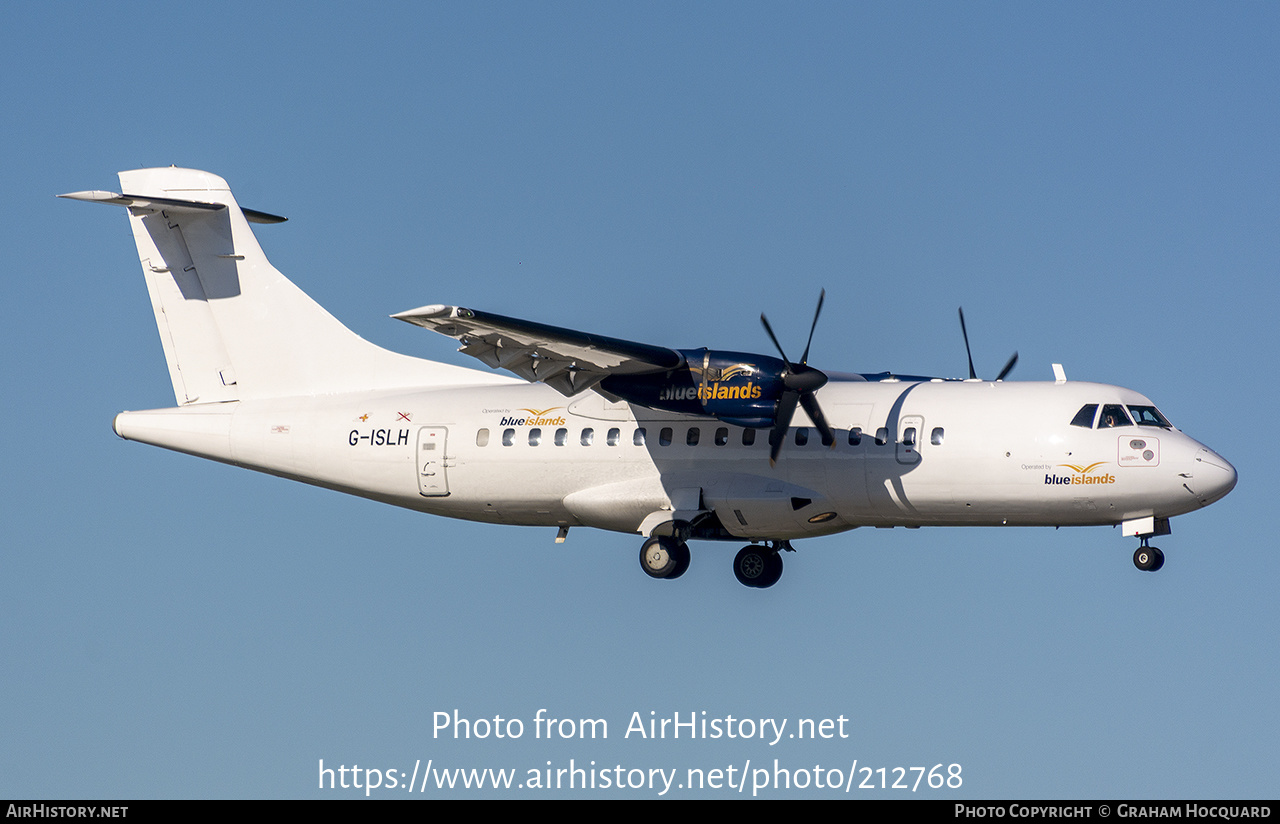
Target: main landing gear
{"x": 1148, "y": 558}
{"x": 754, "y": 566}
{"x": 758, "y": 566}
{"x": 664, "y": 558}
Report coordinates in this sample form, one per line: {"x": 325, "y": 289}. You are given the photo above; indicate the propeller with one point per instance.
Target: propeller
{"x": 973, "y": 375}
{"x": 800, "y": 381}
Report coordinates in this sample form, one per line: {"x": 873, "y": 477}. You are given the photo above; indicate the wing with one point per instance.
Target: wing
{"x": 565, "y": 359}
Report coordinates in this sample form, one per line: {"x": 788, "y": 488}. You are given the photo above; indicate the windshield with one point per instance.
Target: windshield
{"x": 1113, "y": 415}
{"x": 1149, "y": 416}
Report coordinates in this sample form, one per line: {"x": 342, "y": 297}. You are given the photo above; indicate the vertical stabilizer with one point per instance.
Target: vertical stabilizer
{"x": 232, "y": 326}
{"x": 199, "y": 364}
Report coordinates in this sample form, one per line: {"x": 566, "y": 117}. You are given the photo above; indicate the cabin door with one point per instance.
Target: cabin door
{"x": 433, "y": 479}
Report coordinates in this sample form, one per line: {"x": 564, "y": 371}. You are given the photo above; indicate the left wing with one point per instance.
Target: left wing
{"x": 566, "y": 360}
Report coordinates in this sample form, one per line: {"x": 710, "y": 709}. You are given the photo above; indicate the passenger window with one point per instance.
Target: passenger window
{"x": 1113, "y": 415}
{"x": 588, "y": 436}
{"x": 909, "y": 436}
{"x": 1085, "y": 416}
{"x": 638, "y": 437}
{"x": 482, "y": 437}
{"x": 664, "y": 436}
{"x": 722, "y": 436}
{"x": 802, "y": 435}
{"x": 748, "y": 437}
{"x": 936, "y": 437}
{"x": 614, "y": 436}
{"x": 508, "y": 437}
{"x": 692, "y": 437}
{"x": 882, "y": 436}
{"x": 535, "y": 437}
{"x": 562, "y": 437}
{"x": 855, "y": 436}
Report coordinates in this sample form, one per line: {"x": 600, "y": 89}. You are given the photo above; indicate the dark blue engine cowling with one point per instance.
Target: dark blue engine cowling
{"x": 736, "y": 387}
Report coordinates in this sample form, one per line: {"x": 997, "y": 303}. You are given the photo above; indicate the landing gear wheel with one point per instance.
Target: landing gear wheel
{"x": 1148, "y": 559}
{"x": 664, "y": 557}
{"x": 756, "y": 566}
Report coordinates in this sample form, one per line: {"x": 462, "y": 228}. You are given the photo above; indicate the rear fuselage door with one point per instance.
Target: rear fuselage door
{"x": 433, "y": 481}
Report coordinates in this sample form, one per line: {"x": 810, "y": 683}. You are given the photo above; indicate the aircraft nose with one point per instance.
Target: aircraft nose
{"x": 1214, "y": 476}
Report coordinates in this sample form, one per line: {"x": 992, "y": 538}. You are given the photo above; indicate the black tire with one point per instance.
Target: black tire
{"x": 753, "y": 566}
{"x": 1148, "y": 559}
{"x": 658, "y": 557}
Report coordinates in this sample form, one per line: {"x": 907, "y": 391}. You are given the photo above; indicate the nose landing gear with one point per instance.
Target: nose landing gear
{"x": 1148, "y": 558}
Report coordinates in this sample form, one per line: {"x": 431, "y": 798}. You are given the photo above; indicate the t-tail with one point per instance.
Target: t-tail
{"x": 233, "y": 327}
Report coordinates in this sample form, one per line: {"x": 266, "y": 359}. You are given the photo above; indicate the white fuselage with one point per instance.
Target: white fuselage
{"x": 265, "y": 378}
{"x": 983, "y": 453}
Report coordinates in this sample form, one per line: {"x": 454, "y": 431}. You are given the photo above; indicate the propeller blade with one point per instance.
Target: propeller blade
{"x": 799, "y": 381}
{"x": 774, "y": 338}
{"x": 781, "y": 423}
{"x": 810, "y": 403}
{"x": 821, "y": 297}
{"x": 972, "y": 372}
{"x": 1008, "y": 367}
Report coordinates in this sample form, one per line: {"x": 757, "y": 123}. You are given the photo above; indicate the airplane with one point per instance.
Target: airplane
{"x": 673, "y": 445}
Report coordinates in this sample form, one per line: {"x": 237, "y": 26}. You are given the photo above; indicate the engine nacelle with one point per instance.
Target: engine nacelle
{"x": 738, "y": 388}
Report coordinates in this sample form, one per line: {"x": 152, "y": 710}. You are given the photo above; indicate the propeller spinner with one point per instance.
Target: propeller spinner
{"x": 800, "y": 382}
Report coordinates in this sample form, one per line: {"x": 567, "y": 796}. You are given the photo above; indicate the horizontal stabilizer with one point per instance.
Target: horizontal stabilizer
{"x": 155, "y": 204}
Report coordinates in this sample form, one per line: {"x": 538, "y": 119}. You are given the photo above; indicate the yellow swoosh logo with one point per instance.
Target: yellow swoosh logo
{"x": 1083, "y": 470}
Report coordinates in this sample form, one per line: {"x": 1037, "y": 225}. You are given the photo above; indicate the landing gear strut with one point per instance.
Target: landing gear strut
{"x": 1148, "y": 558}
{"x": 758, "y": 566}
{"x": 664, "y": 558}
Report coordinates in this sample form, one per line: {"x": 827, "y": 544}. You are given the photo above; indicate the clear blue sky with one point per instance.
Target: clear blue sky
{"x": 1095, "y": 183}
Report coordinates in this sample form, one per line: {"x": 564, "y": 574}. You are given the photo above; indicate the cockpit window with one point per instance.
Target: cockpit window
{"x": 1149, "y": 416}
{"x": 1085, "y": 416}
{"x": 1113, "y": 415}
